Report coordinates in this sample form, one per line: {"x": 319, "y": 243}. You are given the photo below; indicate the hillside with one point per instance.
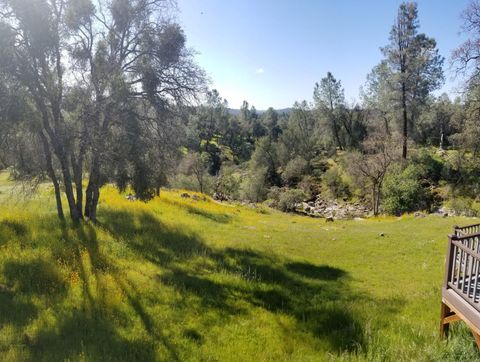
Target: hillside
{"x": 180, "y": 279}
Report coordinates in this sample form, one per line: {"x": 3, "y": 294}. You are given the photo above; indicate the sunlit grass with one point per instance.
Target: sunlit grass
{"x": 184, "y": 279}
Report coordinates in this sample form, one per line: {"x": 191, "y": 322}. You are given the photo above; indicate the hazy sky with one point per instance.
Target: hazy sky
{"x": 271, "y": 52}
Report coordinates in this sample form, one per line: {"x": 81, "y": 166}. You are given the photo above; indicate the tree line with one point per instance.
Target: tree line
{"x": 107, "y": 91}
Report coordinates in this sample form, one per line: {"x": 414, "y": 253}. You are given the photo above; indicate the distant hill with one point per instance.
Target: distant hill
{"x": 236, "y": 112}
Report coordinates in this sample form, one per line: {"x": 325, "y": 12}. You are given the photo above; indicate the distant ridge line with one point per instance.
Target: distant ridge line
{"x": 236, "y": 111}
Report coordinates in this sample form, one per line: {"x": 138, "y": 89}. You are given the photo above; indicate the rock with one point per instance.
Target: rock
{"x": 196, "y": 197}
{"x": 185, "y": 195}
{"x": 381, "y": 234}
{"x": 419, "y": 214}
{"x": 445, "y": 214}
{"x": 130, "y": 197}
{"x": 329, "y": 219}
{"x": 219, "y": 196}
{"x": 331, "y": 208}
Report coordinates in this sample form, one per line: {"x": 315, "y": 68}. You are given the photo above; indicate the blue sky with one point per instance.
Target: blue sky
{"x": 271, "y": 52}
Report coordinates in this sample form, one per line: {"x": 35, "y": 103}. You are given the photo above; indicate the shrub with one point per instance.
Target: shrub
{"x": 273, "y": 197}
{"x": 190, "y": 182}
{"x": 403, "y": 192}
{"x": 193, "y": 173}
{"x": 294, "y": 170}
{"x": 253, "y": 187}
{"x": 285, "y": 199}
{"x": 464, "y": 206}
{"x": 310, "y": 185}
{"x": 289, "y": 198}
{"x": 430, "y": 165}
{"x": 229, "y": 181}
{"x": 335, "y": 183}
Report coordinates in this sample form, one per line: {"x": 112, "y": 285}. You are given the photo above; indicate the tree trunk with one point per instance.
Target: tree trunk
{"x": 53, "y": 176}
{"x": 387, "y": 127}
{"x": 77, "y": 165}
{"x": 405, "y": 121}
{"x": 67, "y": 182}
{"x": 92, "y": 194}
{"x": 77, "y": 176}
{"x": 441, "y": 138}
{"x": 376, "y": 199}
{"x": 335, "y": 133}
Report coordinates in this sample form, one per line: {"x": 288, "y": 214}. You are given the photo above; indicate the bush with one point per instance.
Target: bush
{"x": 190, "y": 182}
{"x": 310, "y": 185}
{"x": 273, "y": 196}
{"x": 464, "y": 206}
{"x": 402, "y": 191}
{"x": 294, "y": 171}
{"x": 285, "y": 199}
{"x": 229, "y": 181}
{"x": 290, "y": 198}
{"x": 335, "y": 182}
{"x": 193, "y": 173}
{"x": 430, "y": 165}
{"x": 253, "y": 187}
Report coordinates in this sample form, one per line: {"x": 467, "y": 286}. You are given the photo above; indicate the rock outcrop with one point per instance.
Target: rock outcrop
{"x": 331, "y": 209}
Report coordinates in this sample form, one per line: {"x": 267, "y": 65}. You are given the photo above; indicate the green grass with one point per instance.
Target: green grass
{"x": 178, "y": 279}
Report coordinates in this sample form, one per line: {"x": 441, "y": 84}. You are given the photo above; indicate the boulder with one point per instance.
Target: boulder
{"x": 219, "y": 196}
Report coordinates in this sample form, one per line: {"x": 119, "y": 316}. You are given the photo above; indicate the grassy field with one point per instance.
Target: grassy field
{"x": 179, "y": 279}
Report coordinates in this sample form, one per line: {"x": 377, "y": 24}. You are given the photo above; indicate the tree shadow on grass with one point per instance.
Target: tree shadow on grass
{"x": 211, "y": 294}
{"x": 34, "y": 277}
{"x": 319, "y": 297}
{"x": 88, "y": 335}
{"x": 91, "y": 330}
{"x": 16, "y": 309}
{"x": 24, "y": 280}
{"x": 147, "y": 236}
{"x": 18, "y": 228}
{"x": 11, "y": 229}
{"x": 322, "y": 272}
{"x": 216, "y": 217}
{"x": 191, "y": 209}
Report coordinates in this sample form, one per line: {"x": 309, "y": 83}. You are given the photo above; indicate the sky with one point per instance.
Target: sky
{"x": 271, "y": 52}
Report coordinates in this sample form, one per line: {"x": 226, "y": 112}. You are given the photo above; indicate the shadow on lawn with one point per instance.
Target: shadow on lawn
{"x": 318, "y": 297}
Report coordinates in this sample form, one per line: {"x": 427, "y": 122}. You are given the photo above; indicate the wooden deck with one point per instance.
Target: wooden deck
{"x": 461, "y": 287}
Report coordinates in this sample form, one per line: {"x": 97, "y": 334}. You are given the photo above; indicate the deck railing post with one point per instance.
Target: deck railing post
{"x": 449, "y": 262}
{"x": 455, "y": 229}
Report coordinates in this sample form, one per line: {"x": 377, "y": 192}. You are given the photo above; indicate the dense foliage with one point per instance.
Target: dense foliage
{"x": 109, "y": 91}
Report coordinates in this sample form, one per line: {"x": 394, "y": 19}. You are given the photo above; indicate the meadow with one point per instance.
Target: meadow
{"x": 178, "y": 279}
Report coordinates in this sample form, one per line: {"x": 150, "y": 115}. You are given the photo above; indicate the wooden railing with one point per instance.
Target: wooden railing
{"x": 463, "y": 265}
{"x": 461, "y": 287}
{"x": 466, "y": 230}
